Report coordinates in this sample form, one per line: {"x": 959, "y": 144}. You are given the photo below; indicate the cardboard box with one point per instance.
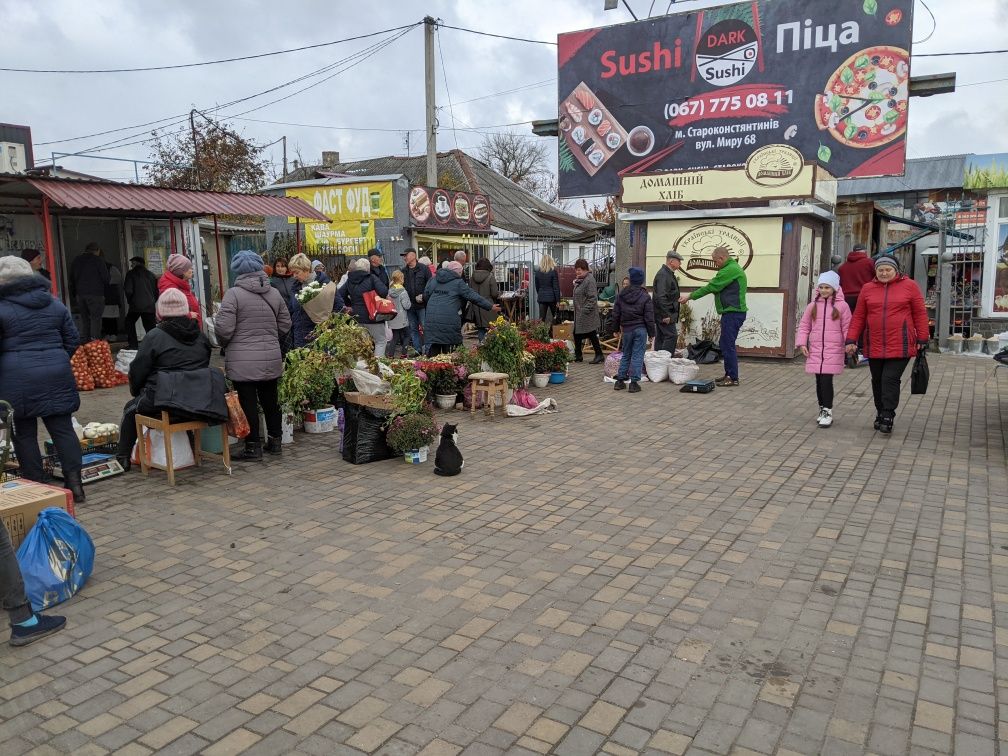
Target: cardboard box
{"x": 22, "y": 500}
{"x": 563, "y": 331}
{"x": 379, "y": 401}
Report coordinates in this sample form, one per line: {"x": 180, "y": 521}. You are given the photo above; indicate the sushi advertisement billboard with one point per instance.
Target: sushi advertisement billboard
{"x": 828, "y": 79}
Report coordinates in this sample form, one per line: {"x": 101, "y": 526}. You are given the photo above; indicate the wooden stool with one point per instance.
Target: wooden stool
{"x": 490, "y": 385}
{"x": 167, "y": 428}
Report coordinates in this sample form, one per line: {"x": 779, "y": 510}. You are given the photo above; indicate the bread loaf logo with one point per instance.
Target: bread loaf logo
{"x": 727, "y": 52}
{"x": 698, "y": 244}
{"x": 774, "y": 165}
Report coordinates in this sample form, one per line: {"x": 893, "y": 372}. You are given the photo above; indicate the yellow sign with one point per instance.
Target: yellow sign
{"x": 353, "y": 208}
{"x": 754, "y": 242}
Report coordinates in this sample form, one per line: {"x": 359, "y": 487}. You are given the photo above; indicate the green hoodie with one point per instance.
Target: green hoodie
{"x": 728, "y": 288}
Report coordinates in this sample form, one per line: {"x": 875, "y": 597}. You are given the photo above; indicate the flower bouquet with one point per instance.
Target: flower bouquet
{"x": 311, "y": 290}
{"x": 317, "y": 300}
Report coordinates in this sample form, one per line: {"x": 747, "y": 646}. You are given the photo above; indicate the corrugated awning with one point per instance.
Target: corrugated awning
{"x": 105, "y": 196}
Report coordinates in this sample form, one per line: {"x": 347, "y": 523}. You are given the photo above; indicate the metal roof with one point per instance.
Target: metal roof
{"x": 105, "y": 196}
{"x": 922, "y": 175}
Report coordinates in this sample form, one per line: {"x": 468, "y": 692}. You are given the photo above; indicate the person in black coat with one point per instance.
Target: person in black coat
{"x": 666, "y": 303}
{"x": 361, "y": 280}
{"x": 416, "y": 275}
{"x": 176, "y": 344}
{"x": 141, "y": 289}
{"x": 34, "y": 258}
{"x": 446, "y": 295}
{"x": 547, "y": 283}
{"x": 378, "y": 269}
{"x": 37, "y": 339}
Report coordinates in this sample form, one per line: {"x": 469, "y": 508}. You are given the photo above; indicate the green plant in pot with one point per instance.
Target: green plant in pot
{"x": 408, "y": 391}
{"x": 344, "y": 340}
{"x": 308, "y": 380}
{"x": 503, "y": 350}
{"x": 558, "y": 357}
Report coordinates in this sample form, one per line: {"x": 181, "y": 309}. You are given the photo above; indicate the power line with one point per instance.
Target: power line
{"x": 498, "y": 36}
{"x": 963, "y": 52}
{"x": 978, "y": 83}
{"x": 534, "y": 85}
{"x": 207, "y": 62}
{"x": 320, "y": 126}
{"x": 934, "y": 24}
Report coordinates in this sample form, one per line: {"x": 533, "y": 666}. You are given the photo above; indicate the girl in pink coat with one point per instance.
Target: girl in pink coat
{"x": 821, "y": 336}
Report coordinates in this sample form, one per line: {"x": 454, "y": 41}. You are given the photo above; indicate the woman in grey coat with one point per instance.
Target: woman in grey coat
{"x": 250, "y": 323}
{"x": 586, "y": 312}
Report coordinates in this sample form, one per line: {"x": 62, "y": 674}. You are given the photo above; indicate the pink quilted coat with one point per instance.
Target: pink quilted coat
{"x": 824, "y": 336}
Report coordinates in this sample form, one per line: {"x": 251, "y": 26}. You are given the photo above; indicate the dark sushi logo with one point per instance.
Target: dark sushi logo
{"x": 727, "y": 52}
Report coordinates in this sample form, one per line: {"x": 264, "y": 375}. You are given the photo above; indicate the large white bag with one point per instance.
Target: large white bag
{"x": 124, "y": 357}
{"x": 656, "y": 365}
{"x": 182, "y": 453}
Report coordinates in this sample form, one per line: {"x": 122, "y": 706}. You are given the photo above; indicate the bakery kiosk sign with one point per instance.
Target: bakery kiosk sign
{"x": 705, "y": 90}
{"x": 441, "y": 209}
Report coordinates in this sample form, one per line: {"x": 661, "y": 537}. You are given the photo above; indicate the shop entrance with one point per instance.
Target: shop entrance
{"x": 75, "y": 235}
{"x": 954, "y": 286}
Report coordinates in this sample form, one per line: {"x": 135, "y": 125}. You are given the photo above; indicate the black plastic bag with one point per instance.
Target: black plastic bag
{"x": 364, "y": 435}
{"x": 920, "y": 374}
{"x": 704, "y": 352}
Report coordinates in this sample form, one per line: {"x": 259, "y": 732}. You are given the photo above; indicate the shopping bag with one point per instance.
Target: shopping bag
{"x": 237, "y": 423}
{"x": 704, "y": 352}
{"x": 522, "y": 397}
{"x": 154, "y": 451}
{"x": 56, "y": 558}
{"x": 379, "y": 308}
{"x": 920, "y": 374}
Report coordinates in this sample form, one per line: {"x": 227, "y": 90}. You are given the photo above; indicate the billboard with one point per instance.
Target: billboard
{"x": 352, "y": 208}
{"x": 435, "y": 208}
{"x": 706, "y": 89}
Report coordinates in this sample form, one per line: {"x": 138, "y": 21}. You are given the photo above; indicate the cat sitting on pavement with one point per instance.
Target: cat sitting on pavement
{"x": 448, "y": 459}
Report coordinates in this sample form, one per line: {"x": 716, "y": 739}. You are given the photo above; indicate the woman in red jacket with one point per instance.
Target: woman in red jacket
{"x": 891, "y": 318}
{"x": 178, "y": 273}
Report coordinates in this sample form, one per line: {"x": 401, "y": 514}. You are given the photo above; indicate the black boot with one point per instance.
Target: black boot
{"x": 886, "y": 422}
{"x": 274, "y": 445}
{"x": 252, "y": 452}
{"x": 124, "y": 461}
{"x": 634, "y": 387}
{"x": 878, "y": 422}
{"x": 75, "y": 486}
{"x": 598, "y": 359}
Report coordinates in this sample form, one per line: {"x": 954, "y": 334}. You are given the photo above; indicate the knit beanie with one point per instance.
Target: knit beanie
{"x": 636, "y": 277}
{"x": 30, "y": 254}
{"x": 12, "y": 267}
{"x": 172, "y": 304}
{"x": 179, "y": 265}
{"x": 316, "y": 263}
{"x": 830, "y": 278}
{"x": 454, "y": 266}
{"x": 887, "y": 260}
{"x": 246, "y": 261}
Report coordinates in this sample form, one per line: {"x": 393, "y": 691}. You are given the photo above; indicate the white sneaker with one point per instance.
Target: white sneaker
{"x": 825, "y": 418}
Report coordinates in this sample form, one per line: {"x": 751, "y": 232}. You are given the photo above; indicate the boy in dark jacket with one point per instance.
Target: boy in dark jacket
{"x": 634, "y": 314}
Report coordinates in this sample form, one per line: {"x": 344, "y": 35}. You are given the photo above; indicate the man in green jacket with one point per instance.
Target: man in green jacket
{"x": 729, "y": 290}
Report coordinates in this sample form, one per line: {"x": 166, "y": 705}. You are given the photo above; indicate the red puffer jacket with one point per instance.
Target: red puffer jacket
{"x": 892, "y": 318}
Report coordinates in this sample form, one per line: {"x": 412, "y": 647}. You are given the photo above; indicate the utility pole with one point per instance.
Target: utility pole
{"x": 195, "y": 148}
{"x": 429, "y": 25}
{"x": 284, "y": 137}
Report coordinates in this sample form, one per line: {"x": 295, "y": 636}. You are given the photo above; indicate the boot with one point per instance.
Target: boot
{"x": 634, "y": 387}
{"x": 74, "y": 484}
{"x": 274, "y": 445}
{"x": 124, "y": 461}
{"x": 252, "y": 452}
{"x": 620, "y": 384}
{"x": 598, "y": 360}
{"x": 886, "y": 422}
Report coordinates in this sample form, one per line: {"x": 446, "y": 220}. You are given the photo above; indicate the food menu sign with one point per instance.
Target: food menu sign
{"x": 703, "y": 90}
{"x": 436, "y": 208}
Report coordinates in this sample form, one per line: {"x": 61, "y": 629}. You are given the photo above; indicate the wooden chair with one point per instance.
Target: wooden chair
{"x": 167, "y": 428}
{"x": 612, "y": 344}
{"x": 490, "y": 385}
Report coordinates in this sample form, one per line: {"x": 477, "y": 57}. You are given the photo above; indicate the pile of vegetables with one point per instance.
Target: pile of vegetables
{"x": 82, "y": 371}
{"x": 93, "y": 367}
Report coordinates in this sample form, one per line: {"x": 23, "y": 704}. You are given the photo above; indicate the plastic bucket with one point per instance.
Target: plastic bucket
{"x": 322, "y": 420}
{"x": 416, "y": 456}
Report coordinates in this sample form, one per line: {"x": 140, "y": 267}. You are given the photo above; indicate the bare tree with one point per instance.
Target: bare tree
{"x": 523, "y": 161}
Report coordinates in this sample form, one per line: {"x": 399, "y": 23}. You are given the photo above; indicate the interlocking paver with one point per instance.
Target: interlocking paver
{"x": 777, "y": 589}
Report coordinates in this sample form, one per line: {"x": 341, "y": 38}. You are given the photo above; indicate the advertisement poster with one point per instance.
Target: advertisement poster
{"x": 434, "y": 208}
{"x": 754, "y": 242}
{"x": 764, "y": 327}
{"x": 1000, "y": 299}
{"x": 706, "y": 89}
{"x": 353, "y": 208}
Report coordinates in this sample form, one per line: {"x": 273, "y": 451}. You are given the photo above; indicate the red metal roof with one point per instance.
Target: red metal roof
{"x": 102, "y": 195}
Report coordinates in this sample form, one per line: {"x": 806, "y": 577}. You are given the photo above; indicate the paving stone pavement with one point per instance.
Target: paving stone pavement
{"x": 658, "y": 573}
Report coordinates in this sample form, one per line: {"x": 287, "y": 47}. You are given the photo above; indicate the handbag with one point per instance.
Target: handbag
{"x": 237, "y": 423}
{"x": 920, "y": 374}
{"x": 379, "y": 308}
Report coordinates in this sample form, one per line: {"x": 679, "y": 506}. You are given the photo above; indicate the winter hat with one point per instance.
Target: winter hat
{"x": 29, "y": 254}
{"x": 636, "y": 277}
{"x": 12, "y": 267}
{"x": 887, "y": 260}
{"x": 316, "y": 263}
{"x": 172, "y": 304}
{"x": 246, "y": 261}
{"x": 179, "y": 265}
{"x": 830, "y": 278}
{"x": 454, "y": 266}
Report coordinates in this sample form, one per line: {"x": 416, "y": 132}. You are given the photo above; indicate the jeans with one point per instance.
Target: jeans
{"x": 824, "y": 390}
{"x": 26, "y": 446}
{"x": 416, "y": 320}
{"x": 12, "y": 590}
{"x": 667, "y": 336}
{"x": 147, "y": 318}
{"x": 635, "y": 341}
{"x": 400, "y": 337}
{"x": 255, "y": 394}
{"x": 731, "y": 324}
{"x": 90, "y": 309}
{"x": 579, "y": 343}
{"x": 549, "y": 312}
{"x": 885, "y": 384}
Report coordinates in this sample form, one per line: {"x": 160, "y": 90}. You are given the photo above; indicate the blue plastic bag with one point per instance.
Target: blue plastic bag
{"x": 56, "y": 558}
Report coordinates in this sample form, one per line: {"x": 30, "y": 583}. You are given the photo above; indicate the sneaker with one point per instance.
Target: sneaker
{"x": 634, "y": 387}
{"x": 726, "y": 381}
{"x": 878, "y": 422}
{"x": 885, "y": 424}
{"x": 862, "y": 361}
{"x": 825, "y": 417}
{"x": 46, "y": 625}
{"x": 620, "y": 385}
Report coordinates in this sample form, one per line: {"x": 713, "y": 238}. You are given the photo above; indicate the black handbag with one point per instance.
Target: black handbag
{"x": 920, "y": 374}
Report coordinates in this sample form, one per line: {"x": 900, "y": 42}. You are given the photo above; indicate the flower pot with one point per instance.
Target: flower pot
{"x": 974, "y": 345}
{"x": 287, "y": 428}
{"x": 540, "y": 379}
{"x": 322, "y": 420}
{"x": 416, "y": 456}
{"x": 557, "y": 377}
{"x": 955, "y": 345}
{"x": 445, "y": 401}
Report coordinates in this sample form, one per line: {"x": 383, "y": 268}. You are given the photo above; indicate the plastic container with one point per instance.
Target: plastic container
{"x": 322, "y": 420}
{"x": 539, "y": 380}
{"x": 557, "y": 377}
{"x": 445, "y": 401}
{"x": 416, "y": 456}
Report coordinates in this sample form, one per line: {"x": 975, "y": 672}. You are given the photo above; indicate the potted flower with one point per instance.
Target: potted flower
{"x": 412, "y": 434}
{"x": 557, "y": 361}
{"x": 306, "y": 387}
{"x": 443, "y": 380}
{"x": 535, "y": 330}
{"x": 543, "y": 362}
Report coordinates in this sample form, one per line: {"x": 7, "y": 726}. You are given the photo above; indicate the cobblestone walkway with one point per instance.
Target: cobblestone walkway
{"x": 656, "y": 573}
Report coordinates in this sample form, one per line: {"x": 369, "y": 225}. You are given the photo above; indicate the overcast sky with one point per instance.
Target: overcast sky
{"x": 385, "y": 91}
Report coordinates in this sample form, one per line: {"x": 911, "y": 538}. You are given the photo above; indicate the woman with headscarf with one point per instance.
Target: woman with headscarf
{"x": 301, "y": 324}
{"x": 178, "y": 273}
{"x": 361, "y": 280}
{"x": 892, "y": 320}
{"x": 251, "y": 323}
{"x": 37, "y": 339}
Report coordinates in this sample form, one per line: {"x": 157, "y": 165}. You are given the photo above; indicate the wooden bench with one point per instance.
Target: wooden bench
{"x": 167, "y": 428}
{"x": 490, "y": 385}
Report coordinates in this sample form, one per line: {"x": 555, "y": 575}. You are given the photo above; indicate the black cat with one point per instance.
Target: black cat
{"x": 448, "y": 459}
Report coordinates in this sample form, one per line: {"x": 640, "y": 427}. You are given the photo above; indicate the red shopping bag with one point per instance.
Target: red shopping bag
{"x": 379, "y": 308}
{"x": 237, "y": 423}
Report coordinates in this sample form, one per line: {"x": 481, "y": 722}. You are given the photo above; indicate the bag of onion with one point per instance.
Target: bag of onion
{"x": 99, "y": 355}
{"x": 82, "y": 370}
